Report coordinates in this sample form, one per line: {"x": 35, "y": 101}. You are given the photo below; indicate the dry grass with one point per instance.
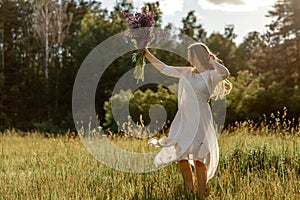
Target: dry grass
{"x": 254, "y": 164}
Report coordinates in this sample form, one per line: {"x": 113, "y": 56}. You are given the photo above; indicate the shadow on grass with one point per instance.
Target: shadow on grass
{"x": 179, "y": 194}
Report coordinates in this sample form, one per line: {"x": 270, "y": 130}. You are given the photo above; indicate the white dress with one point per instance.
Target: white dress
{"x": 192, "y": 133}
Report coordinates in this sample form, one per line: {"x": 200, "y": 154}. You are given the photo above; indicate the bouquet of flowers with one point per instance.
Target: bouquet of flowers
{"x": 140, "y": 33}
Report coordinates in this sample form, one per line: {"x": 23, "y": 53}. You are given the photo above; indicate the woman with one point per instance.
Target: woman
{"x": 192, "y": 134}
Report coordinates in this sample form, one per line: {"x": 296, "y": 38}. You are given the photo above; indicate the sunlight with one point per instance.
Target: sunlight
{"x": 235, "y": 5}
{"x": 166, "y": 6}
{"x": 169, "y": 7}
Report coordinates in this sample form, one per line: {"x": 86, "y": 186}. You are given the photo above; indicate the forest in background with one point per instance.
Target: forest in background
{"x": 43, "y": 44}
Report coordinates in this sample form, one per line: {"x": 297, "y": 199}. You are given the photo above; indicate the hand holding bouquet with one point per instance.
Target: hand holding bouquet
{"x": 140, "y": 33}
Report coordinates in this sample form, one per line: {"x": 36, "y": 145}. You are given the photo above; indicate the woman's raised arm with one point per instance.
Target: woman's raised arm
{"x": 221, "y": 69}
{"x": 163, "y": 68}
{"x": 159, "y": 65}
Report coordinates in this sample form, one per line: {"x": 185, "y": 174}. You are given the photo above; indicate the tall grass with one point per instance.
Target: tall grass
{"x": 255, "y": 163}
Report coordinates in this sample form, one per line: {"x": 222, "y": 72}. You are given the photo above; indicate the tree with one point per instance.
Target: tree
{"x": 154, "y": 7}
{"x": 244, "y": 99}
{"x": 223, "y": 46}
{"x": 5, "y": 15}
{"x": 9, "y": 25}
{"x": 51, "y": 24}
{"x": 140, "y": 103}
{"x": 283, "y": 37}
{"x": 191, "y": 28}
{"x": 250, "y": 54}
{"x": 27, "y": 99}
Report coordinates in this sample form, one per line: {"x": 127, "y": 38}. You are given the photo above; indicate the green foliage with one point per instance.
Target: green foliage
{"x": 244, "y": 97}
{"x": 46, "y": 127}
{"x": 223, "y": 46}
{"x": 294, "y": 100}
{"x": 27, "y": 97}
{"x": 121, "y": 100}
{"x": 139, "y": 104}
{"x": 1, "y": 80}
{"x": 3, "y": 116}
{"x": 191, "y": 28}
{"x": 252, "y": 97}
{"x": 249, "y": 55}
{"x": 283, "y": 38}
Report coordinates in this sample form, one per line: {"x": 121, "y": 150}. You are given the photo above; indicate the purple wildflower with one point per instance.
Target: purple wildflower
{"x": 141, "y": 25}
{"x": 140, "y": 33}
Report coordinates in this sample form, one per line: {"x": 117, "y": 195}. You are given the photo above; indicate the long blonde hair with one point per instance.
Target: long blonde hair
{"x": 203, "y": 54}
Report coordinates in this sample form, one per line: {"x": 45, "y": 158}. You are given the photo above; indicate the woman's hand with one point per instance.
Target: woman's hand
{"x": 145, "y": 51}
{"x": 219, "y": 67}
{"x": 211, "y": 60}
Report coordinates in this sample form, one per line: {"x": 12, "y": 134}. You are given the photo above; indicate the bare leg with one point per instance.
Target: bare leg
{"x": 186, "y": 171}
{"x": 201, "y": 174}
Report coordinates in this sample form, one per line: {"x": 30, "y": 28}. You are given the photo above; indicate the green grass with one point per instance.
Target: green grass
{"x": 254, "y": 164}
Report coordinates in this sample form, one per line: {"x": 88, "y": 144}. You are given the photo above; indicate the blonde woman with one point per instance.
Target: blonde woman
{"x": 192, "y": 135}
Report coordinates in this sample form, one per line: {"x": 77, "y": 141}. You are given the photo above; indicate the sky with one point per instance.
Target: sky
{"x": 213, "y": 15}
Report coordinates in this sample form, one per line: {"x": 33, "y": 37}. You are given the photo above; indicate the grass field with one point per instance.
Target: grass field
{"x": 255, "y": 163}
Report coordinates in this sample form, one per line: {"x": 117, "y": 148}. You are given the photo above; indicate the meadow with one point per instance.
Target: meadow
{"x": 255, "y": 163}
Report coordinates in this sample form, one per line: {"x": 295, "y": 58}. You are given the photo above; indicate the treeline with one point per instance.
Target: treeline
{"x": 43, "y": 44}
